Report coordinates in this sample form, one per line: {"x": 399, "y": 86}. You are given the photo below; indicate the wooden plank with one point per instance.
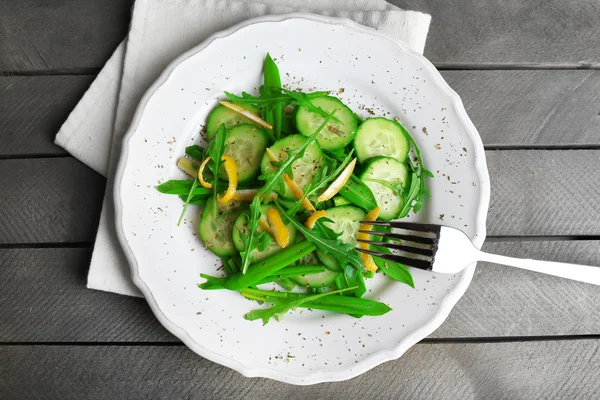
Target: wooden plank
{"x": 48, "y": 201}
{"x": 33, "y": 110}
{"x": 531, "y": 108}
{"x": 534, "y": 192}
{"x": 62, "y": 309}
{"x": 501, "y": 301}
{"x": 467, "y": 32}
{"x": 59, "y": 34}
{"x": 519, "y": 370}
{"x": 462, "y": 32}
{"x": 562, "y": 108}
{"x": 544, "y": 193}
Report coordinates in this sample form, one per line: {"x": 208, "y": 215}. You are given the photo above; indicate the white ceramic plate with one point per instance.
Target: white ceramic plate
{"x": 372, "y": 73}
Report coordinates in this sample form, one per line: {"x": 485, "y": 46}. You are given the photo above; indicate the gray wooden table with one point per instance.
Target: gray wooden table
{"x": 528, "y": 74}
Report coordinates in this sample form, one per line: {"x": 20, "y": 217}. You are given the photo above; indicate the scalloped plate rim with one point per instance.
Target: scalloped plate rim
{"x": 377, "y": 358}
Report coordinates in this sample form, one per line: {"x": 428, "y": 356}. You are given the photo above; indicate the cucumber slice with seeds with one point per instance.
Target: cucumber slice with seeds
{"x": 381, "y": 137}
{"x": 380, "y": 175}
{"x": 246, "y": 144}
{"x": 216, "y": 226}
{"x": 346, "y": 221}
{"x": 241, "y": 228}
{"x": 319, "y": 280}
{"x": 223, "y": 115}
{"x": 336, "y": 134}
{"x": 303, "y": 169}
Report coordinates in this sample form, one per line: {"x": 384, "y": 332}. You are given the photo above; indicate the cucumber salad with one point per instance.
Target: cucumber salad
{"x": 287, "y": 181}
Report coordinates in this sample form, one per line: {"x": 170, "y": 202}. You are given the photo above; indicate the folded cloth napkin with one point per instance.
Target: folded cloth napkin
{"x": 160, "y": 31}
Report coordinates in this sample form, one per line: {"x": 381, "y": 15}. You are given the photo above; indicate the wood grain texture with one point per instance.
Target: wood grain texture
{"x": 462, "y": 32}
{"x": 48, "y": 201}
{"x": 534, "y": 192}
{"x": 528, "y": 370}
{"x": 544, "y": 193}
{"x": 466, "y": 32}
{"x": 529, "y": 108}
{"x": 62, "y": 309}
{"x": 33, "y": 110}
{"x": 503, "y": 301}
{"x": 562, "y": 108}
{"x": 500, "y": 302}
{"x": 57, "y": 34}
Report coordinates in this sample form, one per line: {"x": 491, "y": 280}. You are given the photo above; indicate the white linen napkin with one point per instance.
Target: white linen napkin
{"x": 160, "y": 31}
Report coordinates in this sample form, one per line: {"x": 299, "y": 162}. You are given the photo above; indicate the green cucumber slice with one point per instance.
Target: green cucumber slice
{"x": 336, "y": 134}
{"x": 223, "y": 115}
{"x": 241, "y": 227}
{"x": 380, "y": 174}
{"x": 246, "y": 144}
{"x": 319, "y": 280}
{"x": 346, "y": 221}
{"x": 216, "y": 228}
{"x": 381, "y": 137}
{"x": 303, "y": 169}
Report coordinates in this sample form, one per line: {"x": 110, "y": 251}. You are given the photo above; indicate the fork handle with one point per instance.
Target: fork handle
{"x": 582, "y": 273}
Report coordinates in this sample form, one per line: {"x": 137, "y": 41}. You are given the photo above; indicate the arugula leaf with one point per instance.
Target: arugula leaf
{"x": 355, "y": 279}
{"x": 344, "y": 253}
{"x": 272, "y": 81}
{"x": 338, "y": 154}
{"x": 215, "y": 151}
{"x": 324, "y": 231}
{"x": 342, "y": 304}
{"x": 414, "y": 194}
{"x": 396, "y": 271}
{"x": 260, "y": 269}
{"x": 396, "y": 187}
{"x": 247, "y": 98}
{"x": 253, "y": 238}
{"x": 196, "y": 200}
{"x": 187, "y": 201}
{"x": 359, "y": 194}
{"x": 276, "y": 176}
{"x": 182, "y": 187}
{"x": 195, "y": 151}
{"x": 303, "y": 100}
{"x": 282, "y": 306}
{"x": 327, "y": 178}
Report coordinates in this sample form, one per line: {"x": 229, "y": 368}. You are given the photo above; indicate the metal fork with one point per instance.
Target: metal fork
{"x": 448, "y": 250}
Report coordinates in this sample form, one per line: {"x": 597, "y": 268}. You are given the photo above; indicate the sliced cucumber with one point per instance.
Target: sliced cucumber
{"x": 246, "y": 144}
{"x": 346, "y": 221}
{"x": 216, "y": 226}
{"x": 381, "y": 175}
{"x": 322, "y": 279}
{"x": 241, "y": 227}
{"x": 303, "y": 169}
{"x": 223, "y": 115}
{"x": 336, "y": 134}
{"x": 381, "y": 137}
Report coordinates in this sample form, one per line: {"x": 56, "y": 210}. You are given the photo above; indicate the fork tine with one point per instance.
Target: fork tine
{"x": 412, "y": 226}
{"x": 409, "y": 249}
{"x": 399, "y": 236}
{"x": 411, "y": 262}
